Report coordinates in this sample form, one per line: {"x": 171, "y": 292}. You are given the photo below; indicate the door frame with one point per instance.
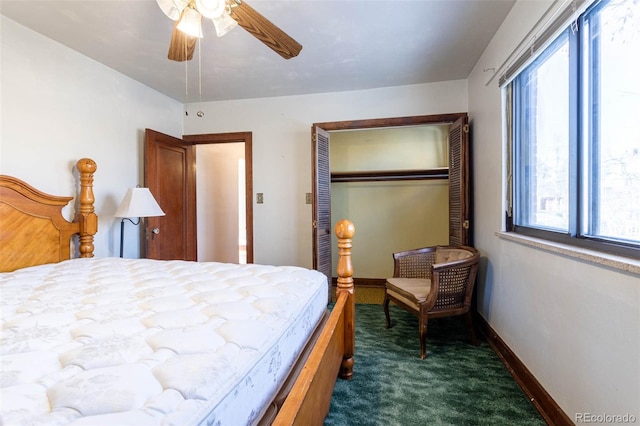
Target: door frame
{"x": 234, "y": 137}
{"x": 391, "y": 122}
{"x": 373, "y": 124}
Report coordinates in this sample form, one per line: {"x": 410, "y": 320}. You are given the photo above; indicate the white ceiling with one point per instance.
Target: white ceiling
{"x": 347, "y": 45}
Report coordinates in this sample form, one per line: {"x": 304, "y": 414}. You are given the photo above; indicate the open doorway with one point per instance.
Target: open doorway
{"x": 224, "y": 196}
{"x": 170, "y": 173}
{"x": 220, "y": 193}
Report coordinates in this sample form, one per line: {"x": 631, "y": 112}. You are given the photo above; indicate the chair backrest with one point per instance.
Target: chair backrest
{"x": 414, "y": 263}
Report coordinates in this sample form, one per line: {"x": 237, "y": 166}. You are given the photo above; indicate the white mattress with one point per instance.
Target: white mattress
{"x": 140, "y": 342}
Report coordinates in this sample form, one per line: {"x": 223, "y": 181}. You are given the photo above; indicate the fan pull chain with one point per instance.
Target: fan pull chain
{"x": 200, "y": 113}
{"x": 186, "y": 80}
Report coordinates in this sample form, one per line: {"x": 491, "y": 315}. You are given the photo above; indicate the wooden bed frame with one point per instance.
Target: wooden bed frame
{"x": 33, "y": 232}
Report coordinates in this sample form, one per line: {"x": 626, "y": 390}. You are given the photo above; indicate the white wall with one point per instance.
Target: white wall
{"x": 59, "y": 106}
{"x": 281, "y": 130}
{"x": 575, "y": 325}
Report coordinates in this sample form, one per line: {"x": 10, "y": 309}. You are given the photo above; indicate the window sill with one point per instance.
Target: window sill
{"x": 619, "y": 263}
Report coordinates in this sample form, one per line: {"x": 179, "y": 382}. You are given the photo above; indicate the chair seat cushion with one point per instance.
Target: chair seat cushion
{"x": 412, "y": 291}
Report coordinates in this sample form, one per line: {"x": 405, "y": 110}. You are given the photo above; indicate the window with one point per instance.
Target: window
{"x": 574, "y": 113}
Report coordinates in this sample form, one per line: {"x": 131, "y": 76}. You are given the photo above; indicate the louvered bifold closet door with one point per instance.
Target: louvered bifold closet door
{"x": 322, "y": 204}
{"x": 459, "y": 202}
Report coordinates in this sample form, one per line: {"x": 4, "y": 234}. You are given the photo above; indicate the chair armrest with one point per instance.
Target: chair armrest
{"x": 457, "y": 264}
{"x": 453, "y": 282}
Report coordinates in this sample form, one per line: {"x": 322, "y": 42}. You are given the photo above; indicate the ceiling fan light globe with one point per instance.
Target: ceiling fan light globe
{"x": 224, "y": 24}
{"x": 191, "y": 23}
{"x": 172, "y": 8}
{"x": 211, "y": 9}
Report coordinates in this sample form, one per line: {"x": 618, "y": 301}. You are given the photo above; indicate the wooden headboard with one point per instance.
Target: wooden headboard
{"x": 32, "y": 228}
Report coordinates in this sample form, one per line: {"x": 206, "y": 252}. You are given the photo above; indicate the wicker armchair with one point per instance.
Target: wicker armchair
{"x": 433, "y": 282}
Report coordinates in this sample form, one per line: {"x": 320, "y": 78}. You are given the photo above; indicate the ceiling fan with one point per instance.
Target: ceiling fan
{"x": 226, "y": 15}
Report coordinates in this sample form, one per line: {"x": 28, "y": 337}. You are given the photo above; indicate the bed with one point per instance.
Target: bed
{"x": 88, "y": 340}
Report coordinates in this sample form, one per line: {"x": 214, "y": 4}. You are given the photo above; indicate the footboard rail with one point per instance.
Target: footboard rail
{"x": 309, "y": 400}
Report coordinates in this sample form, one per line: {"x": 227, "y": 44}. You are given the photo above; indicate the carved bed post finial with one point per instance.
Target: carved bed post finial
{"x": 86, "y": 217}
{"x": 345, "y": 230}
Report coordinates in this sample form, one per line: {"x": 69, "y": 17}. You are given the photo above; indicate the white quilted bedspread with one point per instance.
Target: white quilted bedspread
{"x": 140, "y": 342}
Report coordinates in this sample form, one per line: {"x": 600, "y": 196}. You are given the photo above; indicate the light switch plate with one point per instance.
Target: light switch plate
{"x": 259, "y": 198}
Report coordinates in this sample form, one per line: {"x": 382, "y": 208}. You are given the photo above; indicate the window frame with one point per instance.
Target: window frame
{"x": 581, "y": 150}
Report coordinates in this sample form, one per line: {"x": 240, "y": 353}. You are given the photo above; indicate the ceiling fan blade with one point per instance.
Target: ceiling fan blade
{"x": 264, "y": 30}
{"x": 182, "y": 45}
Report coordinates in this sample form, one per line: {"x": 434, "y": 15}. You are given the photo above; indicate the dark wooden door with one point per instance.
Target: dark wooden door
{"x": 459, "y": 183}
{"x": 321, "y": 203}
{"x": 169, "y": 173}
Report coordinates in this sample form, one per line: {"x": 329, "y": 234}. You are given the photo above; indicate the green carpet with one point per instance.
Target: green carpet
{"x": 457, "y": 384}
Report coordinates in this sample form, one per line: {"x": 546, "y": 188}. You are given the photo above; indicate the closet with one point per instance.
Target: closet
{"x": 405, "y": 181}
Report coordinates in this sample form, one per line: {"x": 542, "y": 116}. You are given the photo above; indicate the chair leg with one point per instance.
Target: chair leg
{"x": 385, "y": 305}
{"x": 422, "y": 325}
{"x": 468, "y": 318}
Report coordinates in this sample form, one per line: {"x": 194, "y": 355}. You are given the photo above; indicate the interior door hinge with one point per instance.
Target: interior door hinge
{"x": 465, "y": 128}
{"x": 465, "y": 224}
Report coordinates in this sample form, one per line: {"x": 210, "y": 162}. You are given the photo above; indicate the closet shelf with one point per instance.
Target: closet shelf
{"x": 390, "y": 175}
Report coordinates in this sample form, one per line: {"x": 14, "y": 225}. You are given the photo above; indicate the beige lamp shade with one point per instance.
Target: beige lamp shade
{"x": 139, "y": 202}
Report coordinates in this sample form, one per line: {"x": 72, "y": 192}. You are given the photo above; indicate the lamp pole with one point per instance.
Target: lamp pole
{"x": 122, "y": 233}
